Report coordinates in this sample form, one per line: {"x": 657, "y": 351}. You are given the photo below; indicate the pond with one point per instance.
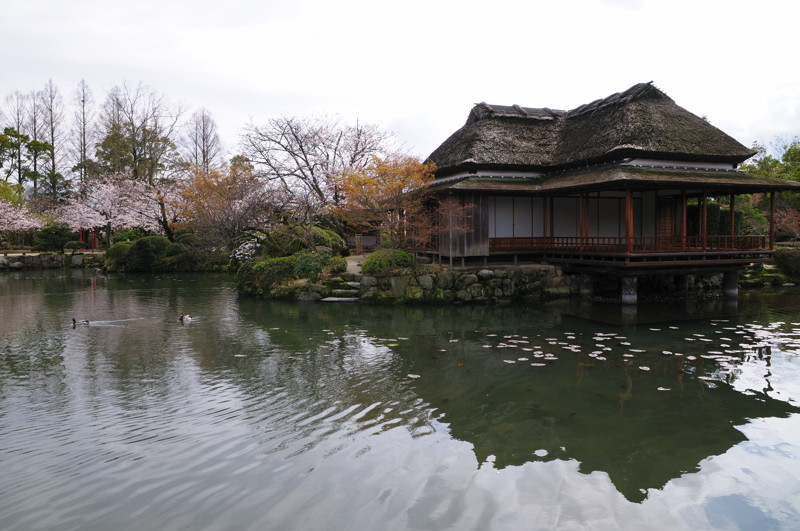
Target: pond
{"x": 275, "y": 415}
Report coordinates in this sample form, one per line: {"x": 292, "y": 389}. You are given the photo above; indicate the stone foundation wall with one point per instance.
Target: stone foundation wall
{"x": 528, "y": 283}
{"x": 49, "y": 261}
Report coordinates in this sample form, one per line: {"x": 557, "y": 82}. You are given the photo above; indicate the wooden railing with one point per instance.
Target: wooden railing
{"x": 646, "y": 244}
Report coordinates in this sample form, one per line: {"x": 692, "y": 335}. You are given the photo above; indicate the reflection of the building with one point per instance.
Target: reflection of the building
{"x": 641, "y": 427}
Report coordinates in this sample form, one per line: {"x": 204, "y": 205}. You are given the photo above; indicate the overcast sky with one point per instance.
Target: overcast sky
{"x": 414, "y": 67}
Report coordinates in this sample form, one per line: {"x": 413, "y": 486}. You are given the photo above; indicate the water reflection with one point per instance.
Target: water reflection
{"x": 138, "y": 410}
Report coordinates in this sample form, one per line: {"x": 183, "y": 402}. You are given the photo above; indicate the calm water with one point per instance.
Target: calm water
{"x": 265, "y": 415}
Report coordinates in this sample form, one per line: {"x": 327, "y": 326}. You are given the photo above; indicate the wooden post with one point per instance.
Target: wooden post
{"x": 581, "y": 219}
{"x": 628, "y": 221}
{"x": 733, "y": 225}
{"x": 544, "y": 217}
{"x": 683, "y": 220}
{"x": 771, "y": 221}
{"x": 552, "y": 218}
{"x": 704, "y": 219}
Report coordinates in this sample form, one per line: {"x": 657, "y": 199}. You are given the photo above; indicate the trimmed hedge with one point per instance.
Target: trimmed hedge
{"x": 788, "y": 261}
{"x": 384, "y": 261}
{"x": 147, "y": 254}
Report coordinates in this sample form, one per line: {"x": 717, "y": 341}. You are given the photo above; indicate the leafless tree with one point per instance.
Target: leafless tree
{"x": 201, "y": 147}
{"x": 138, "y": 134}
{"x": 54, "y": 135}
{"x": 83, "y": 132}
{"x": 305, "y": 158}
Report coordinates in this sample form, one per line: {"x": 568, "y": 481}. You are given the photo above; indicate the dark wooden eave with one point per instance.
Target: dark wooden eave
{"x": 618, "y": 177}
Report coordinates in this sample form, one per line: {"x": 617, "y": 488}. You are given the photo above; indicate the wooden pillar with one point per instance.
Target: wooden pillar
{"x": 704, "y": 219}
{"x": 552, "y": 218}
{"x": 771, "y": 221}
{"x": 544, "y": 217}
{"x": 582, "y": 220}
{"x": 683, "y": 219}
{"x": 628, "y": 221}
{"x": 733, "y": 217}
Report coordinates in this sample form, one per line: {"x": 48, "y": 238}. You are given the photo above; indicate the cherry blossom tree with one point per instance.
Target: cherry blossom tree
{"x": 16, "y": 220}
{"x": 114, "y": 203}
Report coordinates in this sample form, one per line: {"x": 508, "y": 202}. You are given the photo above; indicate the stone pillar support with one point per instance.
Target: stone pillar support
{"x": 681, "y": 284}
{"x": 730, "y": 284}
{"x": 630, "y": 290}
{"x": 587, "y": 285}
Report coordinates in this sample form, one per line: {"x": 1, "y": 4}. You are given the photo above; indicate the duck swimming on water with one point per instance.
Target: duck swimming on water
{"x": 82, "y": 322}
{"x": 185, "y": 318}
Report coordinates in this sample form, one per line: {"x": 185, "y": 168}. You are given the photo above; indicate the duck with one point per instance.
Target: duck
{"x": 82, "y": 322}
{"x": 185, "y": 318}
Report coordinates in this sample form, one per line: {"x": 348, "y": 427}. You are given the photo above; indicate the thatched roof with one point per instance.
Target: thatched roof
{"x": 639, "y": 122}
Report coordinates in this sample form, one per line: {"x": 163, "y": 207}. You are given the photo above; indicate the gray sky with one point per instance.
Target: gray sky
{"x": 414, "y": 67}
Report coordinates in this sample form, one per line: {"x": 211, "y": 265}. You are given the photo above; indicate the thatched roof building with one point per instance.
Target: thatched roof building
{"x": 641, "y": 122}
{"x": 623, "y": 183}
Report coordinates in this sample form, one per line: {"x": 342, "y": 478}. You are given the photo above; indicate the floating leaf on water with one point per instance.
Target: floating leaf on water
{"x": 509, "y": 361}
{"x": 656, "y": 329}
{"x": 664, "y": 389}
{"x": 534, "y": 364}
{"x": 413, "y": 375}
{"x": 487, "y": 346}
{"x": 522, "y": 359}
{"x": 644, "y": 367}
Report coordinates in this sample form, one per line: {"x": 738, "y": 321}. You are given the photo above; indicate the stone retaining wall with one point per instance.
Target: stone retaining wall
{"x": 49, "y": 261}
{"x": 532, "y": 282}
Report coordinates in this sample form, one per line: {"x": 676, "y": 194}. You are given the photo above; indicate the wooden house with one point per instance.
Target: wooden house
{"x": 620, "y": 187}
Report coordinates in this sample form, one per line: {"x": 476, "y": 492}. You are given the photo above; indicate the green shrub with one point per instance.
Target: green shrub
{"x": 309, "y": 265}
{"x": 188, "y": 239}
{"x": 147, "y": 254}
{"x": 184, "y": 261}
{"x": 336, "y": 265}
{"x": 788, "y": 261}
{"x": 128, "y": 235}
{"x": 117, "y": 254}
{"x": 75, "y": 244}
{"x": 174, "y": 249}
{"x": 260, "y": 276}
{"x": 283, "y": 241}
{"x": 53, "y": 237}
{"x": 287, "y": 240}
{"x": 384, "y": 261}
